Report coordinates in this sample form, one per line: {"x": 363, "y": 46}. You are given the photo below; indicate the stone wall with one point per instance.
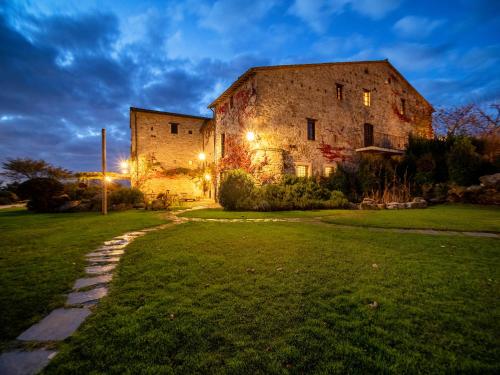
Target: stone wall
{"x": 275, "y": 104}
{"x": 153, "y": 144}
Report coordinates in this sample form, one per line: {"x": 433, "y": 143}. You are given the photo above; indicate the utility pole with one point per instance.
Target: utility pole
{"x": 104, "y": 186}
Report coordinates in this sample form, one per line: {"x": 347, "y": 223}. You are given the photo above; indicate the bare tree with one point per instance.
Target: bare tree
{"x": 469, "y": 119}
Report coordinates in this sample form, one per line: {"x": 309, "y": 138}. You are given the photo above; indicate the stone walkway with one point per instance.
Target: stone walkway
{"x": 63, "y": 322}
{"x": 318, "y": 220}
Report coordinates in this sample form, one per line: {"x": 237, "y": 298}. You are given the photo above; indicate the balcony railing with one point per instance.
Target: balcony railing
{"x": 378, "y": 140}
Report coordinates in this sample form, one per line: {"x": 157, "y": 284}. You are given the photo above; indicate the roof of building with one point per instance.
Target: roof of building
{"x": 252, "y": 71}
{"x": 135, "y": 109}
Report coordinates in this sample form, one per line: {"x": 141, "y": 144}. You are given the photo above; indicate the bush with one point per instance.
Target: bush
{"x": 44, "y": 194}
{"x": 463, "y": 162}
{"x": 126, "y": 196}
{"x": 7, "y": 197}
{"x": 236, "y": 190}
{"x": 291, "y": 194}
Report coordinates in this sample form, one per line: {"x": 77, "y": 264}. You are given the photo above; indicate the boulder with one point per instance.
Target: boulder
{"x": 368, "y": 204}
{"x": 490, "y": 181}
{"x": 68, "y": 206}
{"x": 395, "y": 206}
{"x": 418, "y": 202}
{"x": 352, "y": 206}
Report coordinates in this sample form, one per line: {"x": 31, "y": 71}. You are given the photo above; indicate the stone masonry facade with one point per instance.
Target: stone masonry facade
{"x": 304, "y": 119}
{"x": 165, "y": 151}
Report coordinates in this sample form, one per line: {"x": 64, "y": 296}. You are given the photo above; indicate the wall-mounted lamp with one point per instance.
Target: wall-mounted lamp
{"x": 202, "y": 156}
{"x": 250, "y": 136}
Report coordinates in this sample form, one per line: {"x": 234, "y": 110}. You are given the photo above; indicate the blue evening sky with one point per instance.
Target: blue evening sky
{"x": 69, "y": 68}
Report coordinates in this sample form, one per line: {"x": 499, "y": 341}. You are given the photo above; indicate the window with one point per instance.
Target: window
{"x": 190, "y": 132}
{"x": 328, "y": 171}
{"x": 366, "y": 98}
{"x": 174, "y": 128}
{"x": 339, "y": 90}
{"x": 301, "y": 170}
{"x": 311, "y": 129}
{"x": 222, "y": 144}
{"x": 403, "y": 107}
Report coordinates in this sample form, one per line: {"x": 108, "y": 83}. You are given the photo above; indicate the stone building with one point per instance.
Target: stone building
{"x": 300, "y": 119}
{"x": 165, "y": 152}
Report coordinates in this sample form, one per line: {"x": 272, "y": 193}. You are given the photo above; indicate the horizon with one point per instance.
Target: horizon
{"x": 72, "y": 69}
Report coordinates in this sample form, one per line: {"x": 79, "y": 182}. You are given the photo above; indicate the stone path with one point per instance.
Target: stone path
{"x": 318, "y": 220}
{"x": 63, "y": 322}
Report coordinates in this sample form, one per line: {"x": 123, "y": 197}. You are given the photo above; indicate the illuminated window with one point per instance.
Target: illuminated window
{"x": 328, "y": 171}
{"x": 174, "y": 128}
{"x": 366, "y": 98}
{"x": 339, "y": 90}
{"x": 403, "y": 107}
{"x": 301, "y": 170}
{"x": 311, "y": 129}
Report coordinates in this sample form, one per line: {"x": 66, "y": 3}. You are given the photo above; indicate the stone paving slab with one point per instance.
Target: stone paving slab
{"x": 100, "y": 269}
{"x": 58, "y": 325}
{"x": 90, "y": 281}
{"x": 105, "y": 253}
{"x": 104, "y": 260}
{"x": 76, "y": 298}
{"x": 112, "y": 247}
{"x": 115, "y": 242}
{"x": 19, "y": 362}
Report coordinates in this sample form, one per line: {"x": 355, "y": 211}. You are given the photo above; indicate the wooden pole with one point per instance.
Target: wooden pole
{"x": 104, "y": 186}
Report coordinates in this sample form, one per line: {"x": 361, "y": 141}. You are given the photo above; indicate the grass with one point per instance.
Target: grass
{"x": 41, "y": 255}
{"x": 443, "y": 217}
{"x": 250, "y": 298}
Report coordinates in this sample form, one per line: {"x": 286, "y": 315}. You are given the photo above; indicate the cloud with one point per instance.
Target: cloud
{"x": 416, "y": 27}
{"x": 418, "y": 56}
{"x": 341, "y": 46}
{"x": 226, "y": 16}
{"x": 318, "y": 14}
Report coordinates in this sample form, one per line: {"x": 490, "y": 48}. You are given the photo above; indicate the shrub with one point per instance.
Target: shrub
{"x": 7, "y": 197}
{"x": 463, "y": 162}
{"x": 43, "y": 194}
{"x": 236, "y": 190}
{"x": 291, "y": 194}
{"x": 126, "y": 196}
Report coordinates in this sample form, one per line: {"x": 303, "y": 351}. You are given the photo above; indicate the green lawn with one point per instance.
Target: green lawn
{"x": 41, "y": 255}
{"x": 250, "y": 298}
{"x": 452, "y": 217}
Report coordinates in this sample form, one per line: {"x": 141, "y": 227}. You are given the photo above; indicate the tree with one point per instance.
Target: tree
{"x": 27, "y": 169}
{"x": 469, "y": 119}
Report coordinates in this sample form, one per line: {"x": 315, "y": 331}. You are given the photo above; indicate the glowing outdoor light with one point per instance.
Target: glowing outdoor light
{"x": 108, "y": 179}
{"x": 202, "y": 156}
{"x": 250, "y": 136}
{"x": 208, "y": 177}
{"x": 124, "y": 166}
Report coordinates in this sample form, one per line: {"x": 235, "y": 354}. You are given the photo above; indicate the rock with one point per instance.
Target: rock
{"x": 140, "y": 206}
{"x": 368, "y": 204}
{"x": 395, "y": 206}
{"x": 251, "y": 270}
{"x": 490, "y": 181}
{"x": 381, "y": 206}
{"x": 373, "y": 305}
{"x": 375, "y": 265}
{"x": 68, "y": 206}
